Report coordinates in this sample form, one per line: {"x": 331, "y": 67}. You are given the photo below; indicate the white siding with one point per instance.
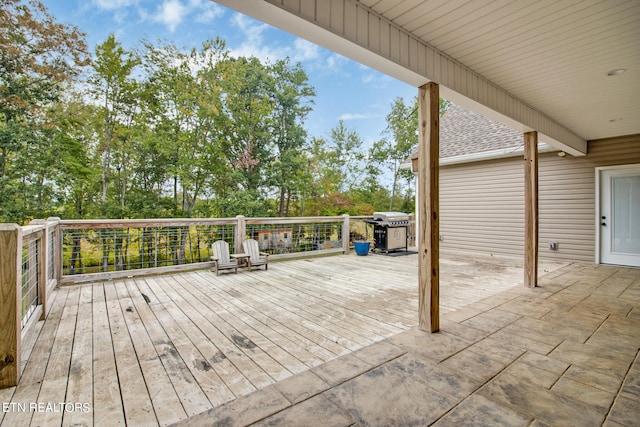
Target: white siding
{"x": 482, "y": 204}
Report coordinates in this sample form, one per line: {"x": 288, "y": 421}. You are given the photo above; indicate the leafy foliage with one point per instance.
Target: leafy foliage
{"x": 38, "y": 57}
{"x": 160, "y": 131}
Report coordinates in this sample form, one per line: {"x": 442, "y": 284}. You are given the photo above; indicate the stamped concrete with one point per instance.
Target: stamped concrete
{"x": 564, "y": 354}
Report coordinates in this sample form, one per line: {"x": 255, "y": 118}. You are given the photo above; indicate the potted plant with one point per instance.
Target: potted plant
{"x": 361, "y": 247}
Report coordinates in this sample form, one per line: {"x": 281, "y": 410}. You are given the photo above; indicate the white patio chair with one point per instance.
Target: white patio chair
{"x": 254, "y": 256}
{"x": 221, "y": 258}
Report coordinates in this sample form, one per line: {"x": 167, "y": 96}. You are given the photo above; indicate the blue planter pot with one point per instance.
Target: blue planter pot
{"x": 362, "y": 248}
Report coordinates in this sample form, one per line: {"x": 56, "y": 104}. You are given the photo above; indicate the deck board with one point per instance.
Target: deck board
{"x": 165, "y": 401}
{"x": 228, "y": 337}
{"x": 31, "y": 380}
{"x": 107, "y": 404}
{"x": 179, "y": 343}
{"x": 80, "y": 385}
{"x": 53, "y": 388}
{"x": 230, "y": 379}
{"x": 189, "y": 394}
{"x": 155, "y": 350}
{"x": 135, "y": 397}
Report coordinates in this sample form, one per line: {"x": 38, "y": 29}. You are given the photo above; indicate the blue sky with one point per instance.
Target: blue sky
{"x": 345, "y": 89}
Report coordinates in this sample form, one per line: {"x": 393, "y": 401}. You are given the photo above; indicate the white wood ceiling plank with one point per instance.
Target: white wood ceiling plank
{"x": 291, "y": 5}
{"x": 540, "y": 38}
{"x": 400, "y": 8}
{"x": 572, "y": 66}
{"x": 394, "y": 43}
{"x": 362, "y": 26}
{"x": 456, "y": 20}
{"x": 482, "y": 27}
{"x": 422, "y": 60}
{"x": 308, "y": 8}
{"x": 385, "y": 40}
{"x": 350, "y": 20}
{"x": 517, "y": 26}
{"x": 414, "y": 57}
{"x": 337, "y": 15}
{"x": 369, "y": 3}
{"x": 382, "y": 7}
{"x": 374, "y": 26}
{"x": 424, "y": 15}
{"x": 574, "y": 50}
{"x": 323, "y": 13}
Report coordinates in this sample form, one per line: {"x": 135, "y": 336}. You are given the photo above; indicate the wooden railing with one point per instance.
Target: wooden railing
{"x": 36, "y": 258}
{"x": 111, "y": 249}
{"x": 29, "y": 257}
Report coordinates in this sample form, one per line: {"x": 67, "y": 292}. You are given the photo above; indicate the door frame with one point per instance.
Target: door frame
{"x": 598, "y": 172}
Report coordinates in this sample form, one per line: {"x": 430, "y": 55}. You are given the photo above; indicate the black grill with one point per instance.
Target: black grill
{"x": 390, "y": 231}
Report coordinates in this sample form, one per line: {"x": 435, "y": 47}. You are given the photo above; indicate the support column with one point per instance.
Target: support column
{"x": 57, "y": 245}
{"x": 43, "y": 255}
{"x": 346, "y": 234}
{"x": 531, "y": 209}
{"x": 429, "y": 207}
{"x": 241, "y": 233}
{"x": 10, "y": 296}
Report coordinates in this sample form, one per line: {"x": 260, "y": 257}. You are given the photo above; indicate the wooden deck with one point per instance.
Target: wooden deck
{"x": 156, "y": 350}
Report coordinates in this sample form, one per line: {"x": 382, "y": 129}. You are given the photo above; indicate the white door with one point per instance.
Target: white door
{"x": 620, "y": 216}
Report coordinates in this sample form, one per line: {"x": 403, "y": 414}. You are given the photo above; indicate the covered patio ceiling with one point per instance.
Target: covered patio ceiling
{"x": 540, "y": 65}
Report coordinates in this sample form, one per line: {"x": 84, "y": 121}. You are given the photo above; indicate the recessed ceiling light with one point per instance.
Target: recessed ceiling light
{"x": 617, "y": 72}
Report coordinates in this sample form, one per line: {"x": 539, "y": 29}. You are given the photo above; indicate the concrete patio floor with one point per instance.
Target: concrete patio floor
{"x": 564, "y": 354}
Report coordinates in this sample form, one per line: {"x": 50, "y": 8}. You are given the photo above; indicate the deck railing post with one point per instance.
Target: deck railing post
{"x": 10, "y": 297}
{"x": 42, "y": 253}
{"x": 346, "y": 236}
{"x": 241, "y": 233}
{"x": 57, "y": 249}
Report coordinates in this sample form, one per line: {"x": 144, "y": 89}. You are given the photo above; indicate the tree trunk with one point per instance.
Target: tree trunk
{"x": 281, "y": 209}
{"x": 286, "y": 213}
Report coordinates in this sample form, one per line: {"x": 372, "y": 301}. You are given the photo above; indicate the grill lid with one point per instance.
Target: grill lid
{"x": 391, "y": 218}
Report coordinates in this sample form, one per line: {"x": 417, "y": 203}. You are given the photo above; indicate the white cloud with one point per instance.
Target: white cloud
{"x": 254, "y": 41}
{"x": 305, "y": 51}
{"x": 354, "y": 116}
{"x": 375, "y": 79}
{"x": 335, "y": 64}
{"x": 206, "y": 11}
{"x": 115, "y": 4}
{"x": 171, "y": 13}
{"x": 258, "y": 43}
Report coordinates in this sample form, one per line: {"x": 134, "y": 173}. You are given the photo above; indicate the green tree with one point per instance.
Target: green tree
{"x": 184, "y": 96}
{"x": 345, "y": 158}
{"x": 392, "y": 151}
{"x": 114, "y": 87}
{"x": 292, "y": 98}
{"x": 76, "y": 143}
{"x": 247, "y": 143}
{"x": 398, "y": 143}
{"x": 38, "y": 58}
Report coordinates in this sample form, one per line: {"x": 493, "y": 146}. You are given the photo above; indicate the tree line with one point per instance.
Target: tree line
{"x": 159, "y": 131}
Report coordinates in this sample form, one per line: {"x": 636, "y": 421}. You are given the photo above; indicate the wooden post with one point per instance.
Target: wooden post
{"x": 531, "y": 209}
{"x": 346, "y": 234}
{"x": 428, "y": 195}
{"x": 241, "y": 233}
{"x": 10, "y": 298}
{"x": 43, "y": 266}
{"x": 54, "y": 222}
